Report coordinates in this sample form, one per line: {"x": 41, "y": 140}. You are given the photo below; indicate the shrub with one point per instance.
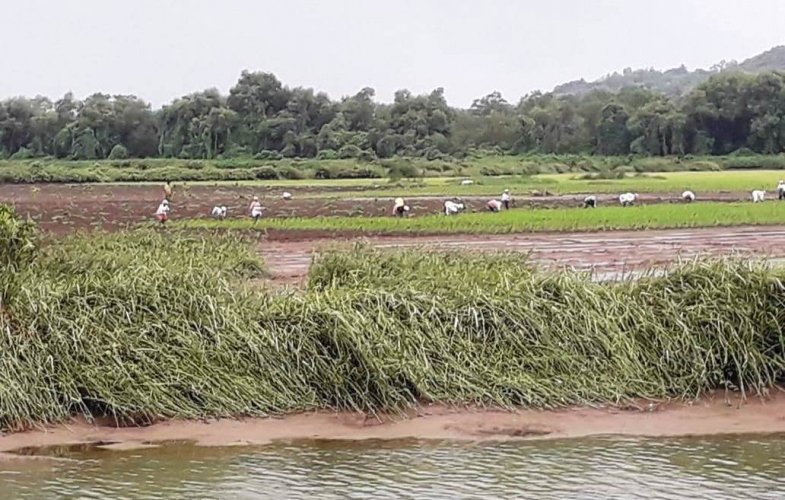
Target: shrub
{"x": 266, "y": 172}
{"x": 118, "y": 152}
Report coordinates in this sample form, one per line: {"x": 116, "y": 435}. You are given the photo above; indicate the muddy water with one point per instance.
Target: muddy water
{"x": 698, "y": 468}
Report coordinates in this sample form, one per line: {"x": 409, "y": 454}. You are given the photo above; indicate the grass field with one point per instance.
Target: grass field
{"x": 555, "y": 184}
{"x": 666, "y": 216}
{"x": 149, "y": 325}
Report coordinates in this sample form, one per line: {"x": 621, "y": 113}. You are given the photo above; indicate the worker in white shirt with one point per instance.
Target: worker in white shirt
{"x": 781, "y": 189}
{"x": 163, "y": 212}
{"x": 758, "y": 196}
{"x": 506, "y": 198}
{"x": 399, "y": 207}
{"x": 494, "y": 205}
{"x": 256, "y": 209}
{"x": 452, "y": 207}
{"x": 688, "y": 196}
{"x": 627, "y": 199}
{"x": 219, "y": 212}
{"x": 286, "y": 195}
{"x": 590, "y": 202}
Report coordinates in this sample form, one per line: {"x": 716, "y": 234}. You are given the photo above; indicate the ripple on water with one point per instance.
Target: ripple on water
{"x": 698, "y": 468}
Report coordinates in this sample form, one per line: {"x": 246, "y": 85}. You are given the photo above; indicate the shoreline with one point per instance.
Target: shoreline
{"x": 707, "y": 416}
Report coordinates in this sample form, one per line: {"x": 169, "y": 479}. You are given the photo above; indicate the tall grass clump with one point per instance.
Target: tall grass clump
{"x": 455, "y": 270}
{"x": 149, "y": 325}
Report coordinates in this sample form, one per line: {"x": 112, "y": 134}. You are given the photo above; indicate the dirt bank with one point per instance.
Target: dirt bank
{"x": 709, "y": 416}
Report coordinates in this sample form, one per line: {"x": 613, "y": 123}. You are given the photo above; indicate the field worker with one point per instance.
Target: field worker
{"x": 494, "y": 205}
{"x": 452, "y": 207}
{"x": 590, "y": 202}
{"x": 627, "y": 199}
{"x": 256, "y": 209}
{"x": 781, "y": 189}
{"x": 286, "y": 195}
{"x": 163, "y": 212}
{"x": 506, "y": 198}
{"x": 399, "y": 207}
{"x": 168, "y": 191}
{"x": 688, "y": 196}
{"x": 467, "y": 182}
{"x": 758, "y": 196}
{"x": 219, "y": 212}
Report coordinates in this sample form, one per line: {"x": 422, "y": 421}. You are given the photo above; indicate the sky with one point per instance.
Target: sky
{"x": 162, "y": 49}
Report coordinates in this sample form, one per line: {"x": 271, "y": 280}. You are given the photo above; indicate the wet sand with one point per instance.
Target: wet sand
{"x": 708, "y": 416}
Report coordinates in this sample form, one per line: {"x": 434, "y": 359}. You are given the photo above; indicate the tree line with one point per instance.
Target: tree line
{"x": 265, "y": 119}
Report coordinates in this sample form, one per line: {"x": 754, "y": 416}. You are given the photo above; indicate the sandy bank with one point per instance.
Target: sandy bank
{"x": 709, "y": 416}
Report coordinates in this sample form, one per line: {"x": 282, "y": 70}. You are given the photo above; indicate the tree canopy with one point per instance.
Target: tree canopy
{"x": 262, "y": 117}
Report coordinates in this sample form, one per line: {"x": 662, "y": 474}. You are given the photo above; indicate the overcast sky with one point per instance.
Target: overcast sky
{"x": 162, "y": 49}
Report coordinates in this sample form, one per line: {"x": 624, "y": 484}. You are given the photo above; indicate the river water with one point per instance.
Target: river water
{"x": 724, "y": 468}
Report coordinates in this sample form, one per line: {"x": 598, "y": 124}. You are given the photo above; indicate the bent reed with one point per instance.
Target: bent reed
{"x": 147, "y": 325}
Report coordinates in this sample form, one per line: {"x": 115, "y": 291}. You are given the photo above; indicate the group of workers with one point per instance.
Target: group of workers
{"x": 451, "y": 207}
{"x": 255, "y": 209}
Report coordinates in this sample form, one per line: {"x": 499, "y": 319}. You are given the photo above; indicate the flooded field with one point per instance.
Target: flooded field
{"x": 728, "y": 468}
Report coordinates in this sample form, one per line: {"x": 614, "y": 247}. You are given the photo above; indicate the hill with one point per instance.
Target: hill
{"x": 674, "y": 81}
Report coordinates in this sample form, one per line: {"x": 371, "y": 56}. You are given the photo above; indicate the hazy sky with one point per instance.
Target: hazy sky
{"x": 162, "y": 49}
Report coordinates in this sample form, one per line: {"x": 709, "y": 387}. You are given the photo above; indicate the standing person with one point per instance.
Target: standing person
{"x": 506, "y": 198}
{"x": 452, "y": 207}
{"x": 168, "y": 191}
{"x": 494, "y": 206}
{"x": 256, "y": 209}
{"x": 781, "y": 190}
{"x": 163, "y": 212}
{"x": 590, "y": 202}
{"x": 399, "y": 207}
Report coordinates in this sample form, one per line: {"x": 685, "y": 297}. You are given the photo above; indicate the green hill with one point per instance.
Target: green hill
{"x": 674, "y": 81}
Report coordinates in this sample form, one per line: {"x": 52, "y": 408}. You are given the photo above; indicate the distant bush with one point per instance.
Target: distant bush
{"x": 118, "y": 152}
{"x": 291, "y": 173}
{"x": 265, "y": 173}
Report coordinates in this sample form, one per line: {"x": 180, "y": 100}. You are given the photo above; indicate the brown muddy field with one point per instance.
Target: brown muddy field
{"x": 64, "y": 208}
{"x": 61, "y": 208}
{"x": 607, "y": 254}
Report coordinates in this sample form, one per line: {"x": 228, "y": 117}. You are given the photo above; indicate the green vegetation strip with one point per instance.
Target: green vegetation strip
{"x": 148, "y": 325}
{"x": 661, "y": 216}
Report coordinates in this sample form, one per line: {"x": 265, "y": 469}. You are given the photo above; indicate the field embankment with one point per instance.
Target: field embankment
{"x": 145, "y": 326}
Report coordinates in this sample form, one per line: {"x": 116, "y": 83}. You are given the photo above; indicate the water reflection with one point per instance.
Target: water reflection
{"x": 710, "y": 468}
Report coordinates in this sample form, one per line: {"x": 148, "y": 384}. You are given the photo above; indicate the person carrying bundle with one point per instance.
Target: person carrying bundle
{"x": 452, "y": 207}
{"x": 506, "y": 199}
{"x": 218, "y": 212}
{"x": 590, "y": 202}
{"x": 494, "y": 206}
{"x": 781, "y": 190}
{"x": 163, "y": 212}
{"x": 256, "y": 209}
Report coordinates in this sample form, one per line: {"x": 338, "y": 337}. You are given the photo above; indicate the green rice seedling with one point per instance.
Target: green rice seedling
{"x": 664, "y": 216}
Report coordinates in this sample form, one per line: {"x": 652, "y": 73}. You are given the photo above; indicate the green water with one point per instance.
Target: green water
{"x": 714, "y": 468}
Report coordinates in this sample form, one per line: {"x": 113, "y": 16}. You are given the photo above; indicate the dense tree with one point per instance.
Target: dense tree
{"x": 262, "y": 117}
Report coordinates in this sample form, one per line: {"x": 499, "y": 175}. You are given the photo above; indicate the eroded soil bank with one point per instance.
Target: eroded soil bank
{"x": 712, "y": 415}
